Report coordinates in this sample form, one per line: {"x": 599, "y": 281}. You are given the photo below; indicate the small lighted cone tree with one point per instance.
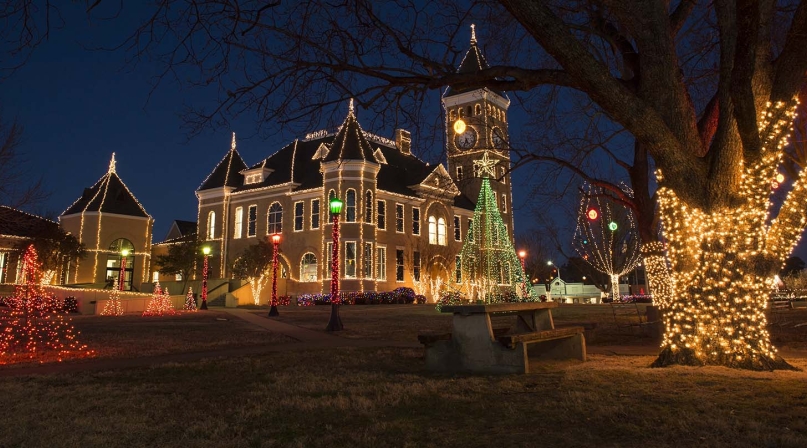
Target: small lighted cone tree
{"x": 275, "y": 242}
{"x": 113, "y": 306}
{"x": 33, "y": 326}
{"x": 606, "y": 235}
{"x": 491, "y": 270}
{"x": 206, "y": 252}
{"x": 160, "y": 303}
{"x": 335, "y": 322}
{"x": 190, "y": 303}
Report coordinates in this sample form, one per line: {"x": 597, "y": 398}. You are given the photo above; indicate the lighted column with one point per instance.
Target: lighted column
{"x": 275, "y": 243}
{"x": 206, "y": 251}
{"x": 521, "y": 255}
{"x": 122, "y": 275}
{"x": 335, "y": 323}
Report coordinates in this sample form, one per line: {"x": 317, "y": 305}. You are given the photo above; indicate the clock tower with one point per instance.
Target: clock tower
{"x": 476, "y": 127}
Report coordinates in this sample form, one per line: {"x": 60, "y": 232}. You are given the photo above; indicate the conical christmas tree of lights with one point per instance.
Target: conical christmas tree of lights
{"x": 160, "y": 303}
{"x": 491, "y": 269}
{"x": 35, "y": 324}
{"x": 113, "y": 307}
{"x": 606, "y": 235}
{"x": 190, "y": 303}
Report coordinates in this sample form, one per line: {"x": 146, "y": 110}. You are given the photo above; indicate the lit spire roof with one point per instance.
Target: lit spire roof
{"x": 227, "y": 172}
{"x": 108, "y": 195}
{"x": 350, "y": 142}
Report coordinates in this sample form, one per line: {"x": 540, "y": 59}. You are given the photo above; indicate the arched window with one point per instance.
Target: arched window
{"x": 274, "y": 222}
{"x": 451, "y": 115}
{"x": 211, "y": 225}
{"x": 368, "y": 207}
{"x": 350, "y": 206}
{"x": 331, "y": 195}
{"x": 478, "y": 109}
{"x": 432, "y": 230}
{"x": 441, "y": 232}
{"x": 115, "y": 261}
{"x": 308, "y": 268}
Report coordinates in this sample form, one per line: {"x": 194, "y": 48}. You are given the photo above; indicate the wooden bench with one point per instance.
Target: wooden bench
{"x": 512, "y": 340}
{"x": 429, "y": 339}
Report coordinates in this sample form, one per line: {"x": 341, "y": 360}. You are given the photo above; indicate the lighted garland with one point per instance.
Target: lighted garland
{"x": 719, "y": 261}
{"x": 606, "y": 235}
{"x": 34, "y": 324}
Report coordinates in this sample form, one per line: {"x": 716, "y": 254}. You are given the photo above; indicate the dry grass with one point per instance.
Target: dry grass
{"x": 133, "y": 335}
{"x": 382, "y": 397}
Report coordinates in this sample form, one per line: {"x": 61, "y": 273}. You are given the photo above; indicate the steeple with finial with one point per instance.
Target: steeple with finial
{"x": 112, "y": 165}
{"x": 350, "y": 143}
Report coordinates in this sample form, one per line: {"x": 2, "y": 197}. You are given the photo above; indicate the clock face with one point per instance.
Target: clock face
{"x": 497, "y": 138}
{"x": 467, "y": 139}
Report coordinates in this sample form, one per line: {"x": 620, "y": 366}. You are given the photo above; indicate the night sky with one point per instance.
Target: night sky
{"x": 78, "y": 106}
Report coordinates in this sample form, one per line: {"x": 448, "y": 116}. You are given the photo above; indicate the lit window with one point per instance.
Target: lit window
{"x": 298, "y": 216}
{"x": 368, "y": 260}
{"x": 239, "y": 222}
{"x": 350, "y": 259}
{"x": 350, "y": 206}
{"x": 252, "y": 220}
{"x": 155, "y": 276}
{"x": 382, "y": 218}
{"x": 368, "y": 207}
{"x": 457, "y": 229}
{"x": 178, "y": 277}
{"x": 308, "y": 268}
{"x": 315, "y": 213}
{"x": 504, "y": 203}
{"x": 432, "y": 230}
{"x": 399, "y": 265}
{"x": 381, "y": 263}
{"x": 459, "y": 173}
{"x": 415, "y": 221}
{"x": 416, "y": 266}
{"x": 274, "y": 222}
{"x": 211, "y": 225}
{"x": 441, "y": 232}
{"x": 399, "y": 218}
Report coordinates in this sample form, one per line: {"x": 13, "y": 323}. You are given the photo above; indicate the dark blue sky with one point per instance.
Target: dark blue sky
{"x": 78, "y": 106}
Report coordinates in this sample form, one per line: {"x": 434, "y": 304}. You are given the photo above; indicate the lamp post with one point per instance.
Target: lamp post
{"x": 521, "y": 255}
{"x": 206, "y": 251}
{"x": 122, "y": 276}
{"x": 275, "y": 243}
{"x": 558, "y": 268}
{"x": 335, "y": 323}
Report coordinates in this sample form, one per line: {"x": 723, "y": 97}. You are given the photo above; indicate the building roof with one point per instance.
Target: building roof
{"x": 228, "y": 171}
{"x": 350, "y": 142}
{"x": 472, "y": 62}
{"x": 15, "y": 222}
{"x": 185, "y": 227}
{"x": 108, "y": 195}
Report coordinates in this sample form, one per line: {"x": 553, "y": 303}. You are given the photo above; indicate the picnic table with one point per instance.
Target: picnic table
{"x": 475, "y": 346}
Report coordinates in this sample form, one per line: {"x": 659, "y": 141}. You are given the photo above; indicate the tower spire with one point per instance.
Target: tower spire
{"x": 350, "y": 107}
{"x": 232, "y": 145}
{"x": 112, "y": 164}
{"x": 473, "y": 34}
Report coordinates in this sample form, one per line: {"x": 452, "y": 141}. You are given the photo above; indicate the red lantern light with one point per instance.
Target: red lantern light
{"x": 593, "y": 214}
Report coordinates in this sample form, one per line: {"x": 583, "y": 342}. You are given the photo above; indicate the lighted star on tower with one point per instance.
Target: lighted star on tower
{"x": 485, "y": 167}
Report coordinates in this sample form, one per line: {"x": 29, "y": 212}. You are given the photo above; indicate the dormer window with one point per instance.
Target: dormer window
{"x": 254, "y": 179}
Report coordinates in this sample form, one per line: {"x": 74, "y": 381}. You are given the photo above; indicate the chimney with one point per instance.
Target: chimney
{"x": 403, "y": 141}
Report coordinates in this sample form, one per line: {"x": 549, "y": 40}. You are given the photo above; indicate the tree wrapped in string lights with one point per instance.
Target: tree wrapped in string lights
{"x": 190, "y": 302}
{"x": 606, "y": 235}
{"x": 491, "y": 269}
{"x": 34, "y": 325}
{"x": 113, "y": 306}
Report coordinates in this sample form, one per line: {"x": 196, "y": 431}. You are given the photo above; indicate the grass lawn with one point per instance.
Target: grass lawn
{"x": 379, "y": 397}
{"x": 133, "y": 335}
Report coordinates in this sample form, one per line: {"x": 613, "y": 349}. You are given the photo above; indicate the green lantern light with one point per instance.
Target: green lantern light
{"x": 336, "y": 206}
{"x": 612, "y": 226}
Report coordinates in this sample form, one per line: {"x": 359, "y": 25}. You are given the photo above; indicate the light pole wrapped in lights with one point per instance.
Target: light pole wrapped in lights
{"x": 122, "y": 276}
{"x": 206, "y": 251}
{"x": 275, "y": 243}
{"x": 335, "y": 323}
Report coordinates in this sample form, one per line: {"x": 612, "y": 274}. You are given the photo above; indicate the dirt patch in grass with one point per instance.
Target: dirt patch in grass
{"x": 133, "y": 335}
{"x": 383, "y": 397}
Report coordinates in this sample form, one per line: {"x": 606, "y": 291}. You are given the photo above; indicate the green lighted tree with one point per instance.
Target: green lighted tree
{"x": 491, "y": 270}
